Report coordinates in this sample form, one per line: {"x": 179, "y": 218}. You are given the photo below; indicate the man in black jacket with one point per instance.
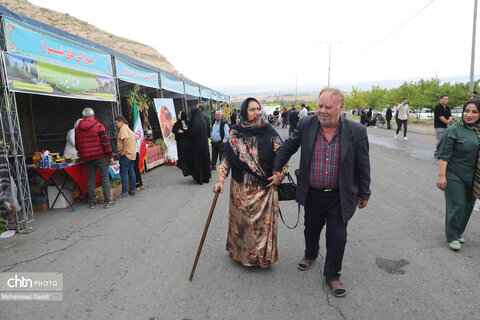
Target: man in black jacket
{"x": 292, "y": 120}
{"x": 219, "y": 136}
{"x": 388, "y": 116}
{"x": 334, "y": 179}
{"x": 442, "y": 120}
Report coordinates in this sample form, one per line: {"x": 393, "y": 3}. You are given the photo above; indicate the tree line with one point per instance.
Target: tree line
{"x": 421, "y": 94}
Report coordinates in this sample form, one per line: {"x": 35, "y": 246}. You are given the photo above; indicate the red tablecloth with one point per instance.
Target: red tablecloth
{"x": 78, "y": 172}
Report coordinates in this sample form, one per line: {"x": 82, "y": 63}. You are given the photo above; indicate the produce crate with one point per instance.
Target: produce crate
{"x": 114, "y": 192}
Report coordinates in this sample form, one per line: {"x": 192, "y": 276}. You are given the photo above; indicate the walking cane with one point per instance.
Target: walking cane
{"x": 205, "y": 230}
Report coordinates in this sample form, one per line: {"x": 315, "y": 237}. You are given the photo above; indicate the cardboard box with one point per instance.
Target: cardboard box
{"x": 61, "y": 202}
{"x": 114, "y": 192}
{"x": 39, "y": 202}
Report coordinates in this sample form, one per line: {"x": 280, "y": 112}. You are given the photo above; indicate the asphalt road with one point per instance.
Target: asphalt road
{"x": 133, "y": 261}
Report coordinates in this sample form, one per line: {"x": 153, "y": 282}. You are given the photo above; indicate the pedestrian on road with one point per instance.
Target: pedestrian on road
{"x": 403, "y": 117}
{"x": 219, "y": 136}
{"x": 442, "y": 120}
{"x": 198, "y": 154}
{"x": 369, "y": 116}
{"x": 388, "y": 116}
{"x": 334, "y": 178}
{"x": 458, "y": 171}
{"x": 180, "y": 130}
{"x": 363, "y": 117}
{"x": 276, "y": 118}
{"x": 284, "y": 118}
{"x": 292, "y": 120}
{"x": 303, "y": 112}
{"x": 233, "y": 118}
{"x": 127, "y": 152}
{"x": 253, "y": 206}
{"x": 93, "y": 146}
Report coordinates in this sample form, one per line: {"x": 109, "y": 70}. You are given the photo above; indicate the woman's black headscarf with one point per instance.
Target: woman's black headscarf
{"x": 257, "y": 131}
{"x": 198, "y": 153}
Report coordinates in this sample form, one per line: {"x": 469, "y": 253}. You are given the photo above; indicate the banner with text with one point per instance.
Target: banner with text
{"x": 31, "y": 76}
{"x": 206, "y": 93}
{"x": 134, "y": 74}
{"x": 172, "y": 85}
{"x": 167, "y": 118}
{"x": 32, "y": 42}
{"x": 192, "y": 90}
{"x": 214, "y": 96}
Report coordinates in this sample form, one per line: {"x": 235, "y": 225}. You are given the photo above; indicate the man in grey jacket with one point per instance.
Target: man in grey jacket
{"x": 334, "y": 178}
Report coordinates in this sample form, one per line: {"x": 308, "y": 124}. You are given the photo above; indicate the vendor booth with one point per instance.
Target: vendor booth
{"x": 139, "y": 86}
{"x": 48, "y": 76}
{"x": 49, "y": 80}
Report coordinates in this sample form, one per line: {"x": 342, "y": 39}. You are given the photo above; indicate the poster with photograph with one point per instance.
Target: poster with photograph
{"x": 167, "y": 118}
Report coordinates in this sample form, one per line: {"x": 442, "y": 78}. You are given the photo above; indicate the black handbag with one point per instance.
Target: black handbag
{"x": 288, "y": 190}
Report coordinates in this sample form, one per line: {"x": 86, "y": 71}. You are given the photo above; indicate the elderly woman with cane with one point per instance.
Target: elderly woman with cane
{"x": 459, "y": 171}
{"x": 253, "y": 207}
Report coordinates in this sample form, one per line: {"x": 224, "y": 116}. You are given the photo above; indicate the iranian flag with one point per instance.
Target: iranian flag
{"x": 137, "y": 128}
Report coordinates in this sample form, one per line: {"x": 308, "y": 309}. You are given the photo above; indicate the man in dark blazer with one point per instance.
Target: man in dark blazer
{"x": 334, "y": 178}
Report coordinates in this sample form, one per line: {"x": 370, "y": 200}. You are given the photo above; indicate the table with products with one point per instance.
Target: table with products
{"x": 78, "y": 172}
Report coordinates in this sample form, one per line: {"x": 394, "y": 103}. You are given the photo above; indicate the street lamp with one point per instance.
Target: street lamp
{"x": 472, "y": 62}
{"x": 329, "y": 56}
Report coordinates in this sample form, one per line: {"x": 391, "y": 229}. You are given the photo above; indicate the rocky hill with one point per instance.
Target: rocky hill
{"x": 85, "y": 30}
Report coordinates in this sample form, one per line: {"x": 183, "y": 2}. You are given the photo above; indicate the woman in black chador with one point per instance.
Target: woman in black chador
{"x": 197, "y": 155}
{"x": 180, "y": 130}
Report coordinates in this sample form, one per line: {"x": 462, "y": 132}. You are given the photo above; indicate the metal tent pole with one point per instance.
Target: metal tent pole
{"x": 12, "y": 137}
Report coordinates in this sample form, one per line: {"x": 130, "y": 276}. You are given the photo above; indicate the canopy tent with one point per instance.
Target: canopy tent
{"x": 54, "y": 75}
{"x": 128, "y": 75}
{"x": 173, "y": 88}
{"x": 192, "y": 94}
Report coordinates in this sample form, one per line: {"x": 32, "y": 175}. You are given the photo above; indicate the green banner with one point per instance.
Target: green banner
{"x": 31, "y": 76}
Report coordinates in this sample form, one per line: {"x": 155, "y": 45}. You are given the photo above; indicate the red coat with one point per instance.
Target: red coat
{"x": 91, "y": 140}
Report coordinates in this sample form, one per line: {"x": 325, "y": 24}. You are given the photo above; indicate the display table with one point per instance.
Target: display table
{"x": 155, "y": 157}
{"x": 78, "y": 172}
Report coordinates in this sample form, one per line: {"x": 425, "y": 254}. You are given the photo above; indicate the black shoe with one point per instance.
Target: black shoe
{"x": 93, "y": 205}
{"x": 213, "y": 168}
{"x": 131, "y": 193}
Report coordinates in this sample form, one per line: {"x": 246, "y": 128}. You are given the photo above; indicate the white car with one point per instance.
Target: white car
{"x": 457, "y": 113}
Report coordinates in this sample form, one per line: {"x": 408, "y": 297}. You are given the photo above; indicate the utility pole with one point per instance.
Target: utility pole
{"x": 329, "y": 57}
{"x": 472, "y": 63}
{"x": 295, "y": 89}
{"x": 279, "y": 95}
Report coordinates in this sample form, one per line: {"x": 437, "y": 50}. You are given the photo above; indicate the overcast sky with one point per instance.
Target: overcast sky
{"x": 227, "y": 44}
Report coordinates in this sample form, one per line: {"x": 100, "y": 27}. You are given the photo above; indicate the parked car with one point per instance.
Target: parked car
{"x": 456, "y": 113}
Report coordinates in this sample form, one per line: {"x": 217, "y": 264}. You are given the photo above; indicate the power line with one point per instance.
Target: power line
{"x": 391, "y": 33}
